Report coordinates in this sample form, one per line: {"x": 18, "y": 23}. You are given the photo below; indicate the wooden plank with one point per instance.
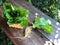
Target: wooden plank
{"x": 33, "y": 10}
{"x": 14, "y": 34}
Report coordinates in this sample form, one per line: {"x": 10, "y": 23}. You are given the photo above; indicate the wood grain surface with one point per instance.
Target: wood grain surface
{"x": 55, "y": 36}
{"x": 37, "y": 37}
{"x": 14, "y": 34}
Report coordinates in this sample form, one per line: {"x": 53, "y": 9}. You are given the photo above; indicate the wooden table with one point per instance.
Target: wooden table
{"x": 14, "y": 34}
{"x": 37, "y": 37}
{"x": 55, "y": 36}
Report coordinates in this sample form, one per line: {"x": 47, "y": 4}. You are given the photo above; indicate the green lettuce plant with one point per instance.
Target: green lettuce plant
{"x": 15, "y": 15}
{"x": 44, "y": 24}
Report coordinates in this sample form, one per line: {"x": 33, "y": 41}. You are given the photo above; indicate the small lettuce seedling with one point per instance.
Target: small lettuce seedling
{"x": 42, "y": 23}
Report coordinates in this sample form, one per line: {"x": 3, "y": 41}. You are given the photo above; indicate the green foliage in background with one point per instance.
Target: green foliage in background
{"x": 2, "y": 1}
{"x": 15, "y": 15}
{"x": 4, "y": 40}
{"x": 49, "y": 7}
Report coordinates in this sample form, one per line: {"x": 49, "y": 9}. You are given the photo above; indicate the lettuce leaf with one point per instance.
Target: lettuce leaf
{"x": 42, "y": 23}
{"x": 36, "y": 23}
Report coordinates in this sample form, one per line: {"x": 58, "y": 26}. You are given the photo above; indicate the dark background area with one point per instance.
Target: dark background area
{"x": 4, "y": 40}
